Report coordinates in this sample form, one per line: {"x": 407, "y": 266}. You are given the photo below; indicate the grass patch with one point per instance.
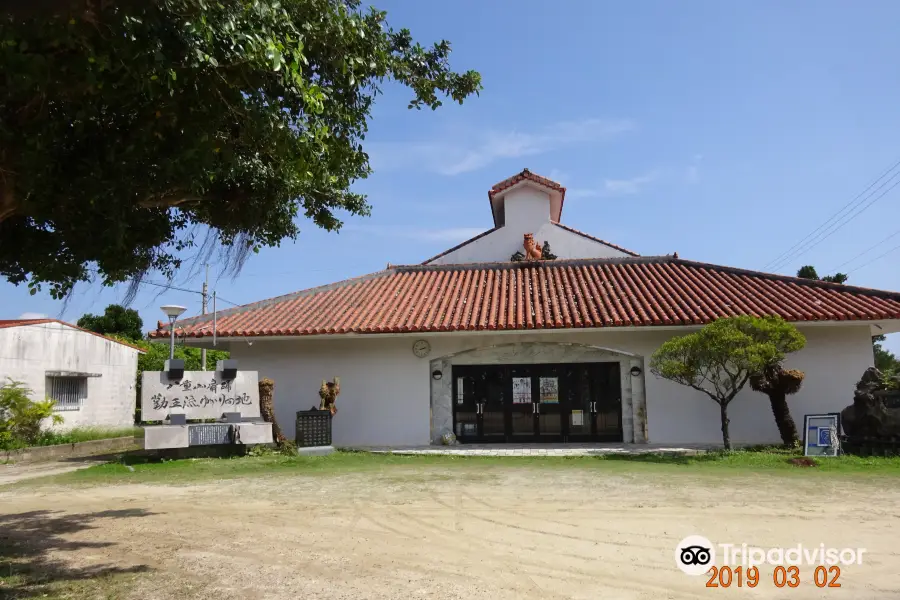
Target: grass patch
{"x": 775, "y": 459}
{"x": 87, "y": 434}
{"x": 18, "y": 580}
{"x": 138, "y": 469}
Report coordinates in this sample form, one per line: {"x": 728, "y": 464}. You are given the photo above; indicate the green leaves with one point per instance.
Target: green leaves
{"x": 127, "y": 129}
{"x": 21, "y": 418}
{"x": 718, "y": 359}
{"x": 116, "y": 320}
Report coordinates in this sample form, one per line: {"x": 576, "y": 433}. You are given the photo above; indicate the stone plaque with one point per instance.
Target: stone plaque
{"x": 207, "y": 434}
{"x": 199, "y": 395}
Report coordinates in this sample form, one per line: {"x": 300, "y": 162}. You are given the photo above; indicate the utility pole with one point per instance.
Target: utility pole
{"x": 203, "y": 310}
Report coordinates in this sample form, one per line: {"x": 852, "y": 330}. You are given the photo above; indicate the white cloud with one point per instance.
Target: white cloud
{"x": 448, "y": 234}
{"x": 627, "y": 187}
{"x": 32, "y": 315}
{"x": 558, "y": 176}
{"x": 616, "y": 187}
{"x": 451, "y": 234}
{"x": 469, "y": 153}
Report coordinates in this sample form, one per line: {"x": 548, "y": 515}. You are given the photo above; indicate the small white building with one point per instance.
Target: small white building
{"x": 91, "y": 377}
{"x": 498, "y": 350}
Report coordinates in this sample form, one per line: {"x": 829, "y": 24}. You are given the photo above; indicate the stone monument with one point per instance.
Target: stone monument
{"x": 226, "y": 396}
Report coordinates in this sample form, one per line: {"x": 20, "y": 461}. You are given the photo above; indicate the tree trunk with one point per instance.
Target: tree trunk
{"x": 267, "y": 408}
{"x": 726, "y": 437}
{"x": 786, "y": 426}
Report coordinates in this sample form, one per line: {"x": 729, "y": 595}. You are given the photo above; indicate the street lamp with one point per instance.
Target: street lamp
{"x": 173, "y": 311}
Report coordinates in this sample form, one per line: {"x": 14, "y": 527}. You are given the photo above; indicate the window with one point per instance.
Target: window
{"x": 69, "y": 392}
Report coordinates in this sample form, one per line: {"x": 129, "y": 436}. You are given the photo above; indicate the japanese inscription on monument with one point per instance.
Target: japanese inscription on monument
{"x": 198, "y": 395}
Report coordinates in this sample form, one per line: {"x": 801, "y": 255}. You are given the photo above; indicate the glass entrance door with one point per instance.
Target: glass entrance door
{"x": 547, "y": 403}
{"x": 593, "y": 394}
{"x": 466, "y": 409}
{"x": 523, "y": 408}
{"x": 579, "y": 402}
{"x": 536, "y": 410}
{"x": 491, "y": 393}
{"x": 479, "y": 408}
{"x": 607, "y": 415}
{"x": 550, "y": 404}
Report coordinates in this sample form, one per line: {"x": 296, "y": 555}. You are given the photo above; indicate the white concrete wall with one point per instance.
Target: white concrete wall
{"x": 29, "y": 351}
{"x": 834, "y": 359}
{"x": 527, "y": 211}
{"x": 526, "y": 207}
{"x": 385, "y": 389}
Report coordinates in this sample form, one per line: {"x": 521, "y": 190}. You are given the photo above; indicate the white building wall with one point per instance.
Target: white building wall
{"x": 385, "y": 389}
{"x": 27, "y": 352}
{"x": 834, "y": 359}
{"x": 526, "y": 207}
{"x": 500, "y": 245}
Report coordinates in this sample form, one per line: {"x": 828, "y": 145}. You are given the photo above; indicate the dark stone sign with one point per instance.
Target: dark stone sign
{"x": 208, "y": 434}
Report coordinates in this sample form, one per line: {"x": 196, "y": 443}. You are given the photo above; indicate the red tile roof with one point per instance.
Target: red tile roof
{"x": 522, "y": 176}
{"x": 24, "y": 322}
{"x": 546, "y": 295}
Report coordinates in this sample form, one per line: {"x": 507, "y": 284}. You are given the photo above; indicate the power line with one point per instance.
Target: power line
{"x": 171, "y": 287}
{"x": 879, "y": 257}
{"x": 836, "y": 215}
{"x": 228, "y": 301}
{"x": 893, "y": 235}
{"x": 850, "y": 218}
{"x": 786, "y": 255}
{"x": 167, "y": 286}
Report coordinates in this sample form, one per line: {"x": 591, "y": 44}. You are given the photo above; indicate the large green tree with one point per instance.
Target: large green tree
{"x": 719, "y": 359}
{"x": 116, "y": 320}
{"x": 126, "y": 125}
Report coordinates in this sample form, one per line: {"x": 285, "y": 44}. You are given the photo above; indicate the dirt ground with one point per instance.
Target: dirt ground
{"x": 464, "y": 533}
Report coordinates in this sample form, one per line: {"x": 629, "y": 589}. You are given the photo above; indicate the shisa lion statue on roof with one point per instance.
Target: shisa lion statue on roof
{"x": 533, "y": 250}
{"x": 329, "y": 393}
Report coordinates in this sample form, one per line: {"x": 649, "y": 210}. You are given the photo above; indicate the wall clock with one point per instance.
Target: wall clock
{"x": 421, "y": 348}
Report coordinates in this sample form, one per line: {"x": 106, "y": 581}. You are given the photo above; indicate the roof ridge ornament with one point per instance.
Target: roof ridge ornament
{"x": 533, "y": 251}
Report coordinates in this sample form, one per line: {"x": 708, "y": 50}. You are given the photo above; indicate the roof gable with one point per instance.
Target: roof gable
{"x": 555, "y": 191}
{"x": 559, "y": 225}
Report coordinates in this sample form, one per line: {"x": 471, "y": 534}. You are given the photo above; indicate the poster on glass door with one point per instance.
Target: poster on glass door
{"x": 549, "y": 390}
{"x": 521, "y": 390}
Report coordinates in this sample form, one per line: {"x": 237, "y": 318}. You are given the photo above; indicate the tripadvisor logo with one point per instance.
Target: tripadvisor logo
{"x": 695, "y": 555}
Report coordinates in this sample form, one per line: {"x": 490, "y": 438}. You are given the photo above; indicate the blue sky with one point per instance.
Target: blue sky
{"x": 725, "y": 131}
